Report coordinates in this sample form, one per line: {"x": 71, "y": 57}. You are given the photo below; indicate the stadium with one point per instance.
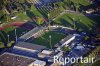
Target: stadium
{"x": 49, "y": 37}
{"x": 32, "y": 32}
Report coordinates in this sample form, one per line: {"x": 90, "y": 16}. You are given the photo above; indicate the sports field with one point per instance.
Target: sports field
{"x": 80, "y": 21}
{"x": 45, "y": 39}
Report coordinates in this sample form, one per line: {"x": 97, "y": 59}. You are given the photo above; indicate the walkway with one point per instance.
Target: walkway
{"x": 4, "y": 26}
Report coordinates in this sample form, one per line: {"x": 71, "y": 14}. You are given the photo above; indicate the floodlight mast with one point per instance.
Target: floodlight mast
{"x": 74, "y": 23}
{"x": 15, "y": 35}
{"x": 8, "y": 38}
{"x": 49, "y": 21}
{"x": 50, "y": 41}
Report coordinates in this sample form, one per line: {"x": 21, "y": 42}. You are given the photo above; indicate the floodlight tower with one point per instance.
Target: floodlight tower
{"x": 8, "y": 38}
{"x": 15, "y": 35}
{"x": 74, "y": 23}
{"x": 50, "y": 41}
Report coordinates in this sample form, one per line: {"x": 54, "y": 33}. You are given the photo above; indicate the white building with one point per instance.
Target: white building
{"x": 38, "y": 63}
{"x": 45, "y": 53}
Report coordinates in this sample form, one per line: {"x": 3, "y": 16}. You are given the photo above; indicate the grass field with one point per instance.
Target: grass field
{"x": 45, "y": 40}
{"x": 96, "y": 63}
{"x": 82, "y": 2}
{"x": 79, "y": 20}
{"x": 33, "y": 12}
{"x": 11, "y": 32}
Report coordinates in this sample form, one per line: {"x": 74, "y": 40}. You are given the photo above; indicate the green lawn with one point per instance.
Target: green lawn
{"x": 82, "y": 2}
{"x": 22, "y": 16}
{"x": 45, "y": 40}
{"x": 81, "y": 21}
{"x": 33, "y": 12}
{"x": 36, "y": 12}
{"x": 2, "y": 45}
{"x": 11, "y": 28}
{"x": 97, "y": 63}
{"x": 11, "y": 31}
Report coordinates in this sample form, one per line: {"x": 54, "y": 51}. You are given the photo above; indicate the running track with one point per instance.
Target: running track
{"x": 17, "y": 24}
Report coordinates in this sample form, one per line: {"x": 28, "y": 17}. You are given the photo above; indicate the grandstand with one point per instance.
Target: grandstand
{"x": 36, "y": 32}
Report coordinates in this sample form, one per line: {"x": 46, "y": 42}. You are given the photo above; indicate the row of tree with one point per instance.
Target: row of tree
{"x": 64, "y": 5}
{"x": 5, "y": 41}
{"x": 9, "y": 7}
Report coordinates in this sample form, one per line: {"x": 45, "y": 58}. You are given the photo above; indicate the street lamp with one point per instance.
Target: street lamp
{"x": 50, "y": 41}
{"x": 8, "y": 38}
{"x": 74, "y": 22}
{"x": 48, "y": 15}
{"x": 49, "y": 20}
{"x": 15, "y": 35}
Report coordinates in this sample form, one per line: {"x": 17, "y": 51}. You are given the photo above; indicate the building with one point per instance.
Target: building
{"x": 26, "y": 49}
{"x": 9, "y": 59}
{"x": 29, "y": 46}
{"x": 67, "y": 40}
{"x": 38, "y": 63}
{"x": 55, "y": 64}
{"x": 35, "y": 32}
{"x": 78, "y": 51}
{"x": 89, "y": 11}
{"x": 45, "y": 53}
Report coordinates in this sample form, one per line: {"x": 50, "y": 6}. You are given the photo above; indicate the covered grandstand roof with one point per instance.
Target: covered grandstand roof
{"x": 29, "y": 46}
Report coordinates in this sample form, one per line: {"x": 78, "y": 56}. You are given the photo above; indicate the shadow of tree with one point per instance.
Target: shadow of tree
{"x": 91, "y": 6}
{"x": 42, "y": 11}
{"x": 65, "y": 23}
{"x": 81, "y": 27}
{"x": 30, "y": 14}
{"x": 3, "y": 37}
{"x": 21, "y": 30}
{"x": 78, "y": 25}
{"x": 95, "y": 18}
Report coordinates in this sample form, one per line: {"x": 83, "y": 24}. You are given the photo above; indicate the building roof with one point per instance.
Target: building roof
{"x": 39, "y": 63}
{"x": 48, "y": 52}
{"x": 59, "y": 54}
{"x": 9, "y": 59}
{"x": 45, "y": 53}
{"x": 55, "y": 64}
{"x": 78, "y": 51}
{"x": 30, "y": 46}
{"x": 30, "y": 33}
{"x": 66, "y": 39}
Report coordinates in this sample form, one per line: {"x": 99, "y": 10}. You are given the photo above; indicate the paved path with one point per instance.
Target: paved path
{"x": 12, "y": 24}
{"x": 70, "y": 11}
{"x": 66, "y": 11}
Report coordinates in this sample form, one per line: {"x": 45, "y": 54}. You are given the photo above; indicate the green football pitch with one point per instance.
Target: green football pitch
{"x": 45, "y": 40}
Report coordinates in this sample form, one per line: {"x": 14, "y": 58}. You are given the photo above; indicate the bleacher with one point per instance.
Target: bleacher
{"x": 40, "y": 33}
{"x": 23, "y": 52}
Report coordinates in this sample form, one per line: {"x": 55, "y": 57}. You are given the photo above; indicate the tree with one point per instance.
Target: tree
{"x": 10, "y": 43}
{"x": 95, "y": 53}
{"x": 77, "y": 7}
{"x": 2, "y": 45}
